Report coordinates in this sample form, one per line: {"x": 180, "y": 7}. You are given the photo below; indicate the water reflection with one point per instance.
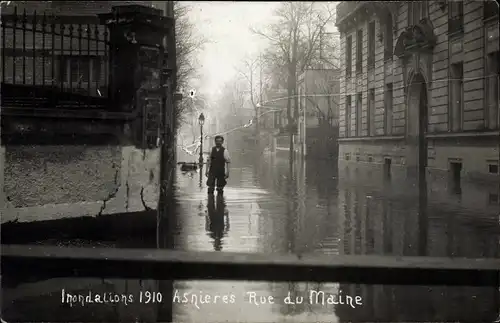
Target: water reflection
{"x": 217, "y": 219}
{"x": 319, "y": 208}
{"x": 388, "y": 220}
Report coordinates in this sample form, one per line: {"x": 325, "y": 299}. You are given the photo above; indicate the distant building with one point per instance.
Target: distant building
{"x": 273, "y": 118}
{"x": 318, "y": 91}
{"x": 420, "y": 85}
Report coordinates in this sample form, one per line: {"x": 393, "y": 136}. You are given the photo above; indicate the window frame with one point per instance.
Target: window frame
{"x": 371, "y": 45}
{"x": 492, "y": 94}
{"x": 359, "y": 114}
{"x": 348, "y": 115}
{"x": 359, "y": 51}
{"x": 371, "y": 112}
{"x": 349, "y": 57}
{"x": 456, "y": 17}
{"x": 94, "y": 70}
{"x": 456, "y": 85}
{"x": 417, "y": 10}
{"x": 388, "y": 108}
{"x": 388, "y": 38}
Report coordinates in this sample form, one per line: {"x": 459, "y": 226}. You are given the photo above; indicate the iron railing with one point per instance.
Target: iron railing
{"x": 53, "y": 60}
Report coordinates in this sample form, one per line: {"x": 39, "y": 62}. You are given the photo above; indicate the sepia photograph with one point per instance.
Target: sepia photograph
{"x": 250, "y": 162}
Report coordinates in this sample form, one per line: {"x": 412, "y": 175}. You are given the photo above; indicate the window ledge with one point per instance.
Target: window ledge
{"x": 372, "y": 138}
{"x": 491, "y": 19}
{"x": 447, "y": 135}
{"x": 456, "y": 33}
{"x": 474, "y": 134}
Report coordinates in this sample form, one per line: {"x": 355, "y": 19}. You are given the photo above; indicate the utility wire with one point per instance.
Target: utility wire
{"x": 250, "y": 123}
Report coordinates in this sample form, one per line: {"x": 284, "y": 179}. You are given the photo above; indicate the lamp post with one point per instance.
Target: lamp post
{"x": 201, "y": 121}
{"x": 257, "y": 123}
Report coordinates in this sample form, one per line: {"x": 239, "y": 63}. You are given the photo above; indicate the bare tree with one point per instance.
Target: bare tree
{"x": 188, "y": 45}
{"x": 250, "y": 74}
{"x": 323, "y": 98}
{"x": 232, "y": 100}
{"x": 296, "y": 41}
{"x": 257, "y": 76}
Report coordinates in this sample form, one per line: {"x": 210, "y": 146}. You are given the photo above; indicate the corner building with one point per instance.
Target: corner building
{"x": 420, "y": 86}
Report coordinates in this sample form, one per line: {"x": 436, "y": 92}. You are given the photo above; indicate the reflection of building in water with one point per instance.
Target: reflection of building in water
{"x": 375, "y": 222}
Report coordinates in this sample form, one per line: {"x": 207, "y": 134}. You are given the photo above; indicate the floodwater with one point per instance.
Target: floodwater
{"x": 314, "y": 207}
{"x": 317, "y": 209}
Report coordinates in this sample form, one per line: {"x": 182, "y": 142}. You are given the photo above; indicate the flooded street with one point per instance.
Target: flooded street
{"x": 268, "y": 207}
{"x": 322, "y": 210}
{"x": 391, "y": 108}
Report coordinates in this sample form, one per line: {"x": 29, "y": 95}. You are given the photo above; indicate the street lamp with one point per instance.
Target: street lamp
{"x": 201, "y": 121}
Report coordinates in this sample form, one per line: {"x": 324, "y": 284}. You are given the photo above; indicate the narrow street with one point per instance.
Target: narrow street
{"x": 321, "y": 211}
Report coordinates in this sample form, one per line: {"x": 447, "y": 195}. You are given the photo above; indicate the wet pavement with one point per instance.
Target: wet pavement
{"x": 313, "y": 207}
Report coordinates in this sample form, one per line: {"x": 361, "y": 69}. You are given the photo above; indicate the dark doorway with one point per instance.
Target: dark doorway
{"x": 455, "y": 177}
{"x": 387, "y": 168}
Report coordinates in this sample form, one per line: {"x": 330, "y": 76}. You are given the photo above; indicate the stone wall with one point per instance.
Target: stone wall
{"x": 468, "y": 47}
{"x": 54, "y": 182}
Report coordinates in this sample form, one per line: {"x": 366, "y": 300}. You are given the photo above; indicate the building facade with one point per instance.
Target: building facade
{"x": 273, "y": 118}
{"x": 318, "y": 91}
{"x": 420, "y": 86}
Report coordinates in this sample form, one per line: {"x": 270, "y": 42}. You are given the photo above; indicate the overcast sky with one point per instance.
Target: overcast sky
{"x": 226, "y": 25}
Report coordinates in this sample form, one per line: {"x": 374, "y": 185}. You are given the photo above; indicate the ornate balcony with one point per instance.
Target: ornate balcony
{"x": 420, "y": 37}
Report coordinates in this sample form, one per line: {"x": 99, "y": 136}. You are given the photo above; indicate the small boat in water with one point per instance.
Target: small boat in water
{"x": 188, "y": 167}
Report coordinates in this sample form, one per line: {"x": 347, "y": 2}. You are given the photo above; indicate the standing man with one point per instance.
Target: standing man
{"x": 218, "y": 166}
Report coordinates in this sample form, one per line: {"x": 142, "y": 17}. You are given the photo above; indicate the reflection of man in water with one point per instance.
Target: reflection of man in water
{"x": 217, "y": 220}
